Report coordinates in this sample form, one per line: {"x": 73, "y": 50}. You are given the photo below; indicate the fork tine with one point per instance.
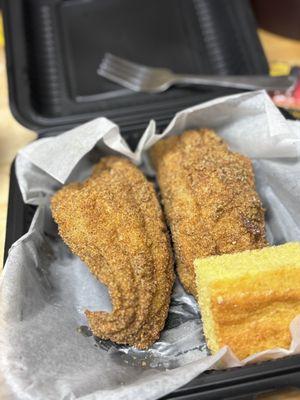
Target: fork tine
{"x": 121, "y": 73}
{"x": 121, "y": 81}
{"x": 134, "y": 76}
{"x": 124, "y": 69}
{"x": 118, "y": 61}
{"x": 120, "y": 70}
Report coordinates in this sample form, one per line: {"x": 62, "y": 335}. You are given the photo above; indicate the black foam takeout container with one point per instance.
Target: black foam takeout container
{"x": 53, "y": 50}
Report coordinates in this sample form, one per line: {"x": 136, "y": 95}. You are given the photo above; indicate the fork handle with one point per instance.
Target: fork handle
{"x": 251, "y": 82}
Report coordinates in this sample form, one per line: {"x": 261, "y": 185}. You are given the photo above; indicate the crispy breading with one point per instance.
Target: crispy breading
{"x": 114, "y": 223}
{"x": 209, "y": 199}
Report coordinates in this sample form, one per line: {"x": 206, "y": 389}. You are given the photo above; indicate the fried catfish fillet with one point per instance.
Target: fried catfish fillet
{"x": 114, "y": 223}
{"x": 209, "y": 199}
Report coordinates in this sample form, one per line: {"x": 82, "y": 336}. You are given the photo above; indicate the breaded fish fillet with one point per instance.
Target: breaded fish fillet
{"x": 114, "y": 223}
{"x": 209, "y": 199}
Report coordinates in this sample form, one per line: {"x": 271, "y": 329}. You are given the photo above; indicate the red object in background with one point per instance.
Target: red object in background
{"x": 290, "y": 99}
{"x": 296, "y": 93}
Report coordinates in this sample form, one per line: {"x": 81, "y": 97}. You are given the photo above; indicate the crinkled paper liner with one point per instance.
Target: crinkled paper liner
{"x": 47, "y": 351}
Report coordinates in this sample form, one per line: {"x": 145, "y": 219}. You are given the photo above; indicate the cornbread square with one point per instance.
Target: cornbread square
{"x": 248, "y": 299}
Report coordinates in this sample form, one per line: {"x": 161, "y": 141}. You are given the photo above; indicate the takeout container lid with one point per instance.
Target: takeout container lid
{"x": 54, "y": 48}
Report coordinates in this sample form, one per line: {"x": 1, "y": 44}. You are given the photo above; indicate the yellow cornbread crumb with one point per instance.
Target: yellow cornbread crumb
{"x": 248, "y": 299}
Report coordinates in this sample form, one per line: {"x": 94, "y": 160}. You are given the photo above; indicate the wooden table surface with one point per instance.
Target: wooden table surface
{"x": 13, "y": 137}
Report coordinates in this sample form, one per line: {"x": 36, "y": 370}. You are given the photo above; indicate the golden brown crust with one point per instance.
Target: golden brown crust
{"x": 209, "y": 199}
{"x": 114, "y": 223}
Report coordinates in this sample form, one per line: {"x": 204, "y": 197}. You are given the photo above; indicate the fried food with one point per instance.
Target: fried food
{"x": 209, "y": 199}
{"x": 249, "y": 299}
{"x": 114, "y": 223}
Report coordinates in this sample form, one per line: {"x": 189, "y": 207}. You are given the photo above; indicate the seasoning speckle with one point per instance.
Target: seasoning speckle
{"x": 209, "y": 198}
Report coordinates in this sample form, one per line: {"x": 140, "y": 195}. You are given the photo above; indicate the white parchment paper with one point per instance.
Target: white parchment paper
{"x": 46, "y": 349}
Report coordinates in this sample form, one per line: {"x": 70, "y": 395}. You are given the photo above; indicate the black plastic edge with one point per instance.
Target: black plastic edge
{"x": 16, "y": 53}
{"x": 16, "y": 213}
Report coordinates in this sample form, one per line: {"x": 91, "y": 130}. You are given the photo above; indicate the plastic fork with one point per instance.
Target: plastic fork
{"x": 142, "y": 78}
